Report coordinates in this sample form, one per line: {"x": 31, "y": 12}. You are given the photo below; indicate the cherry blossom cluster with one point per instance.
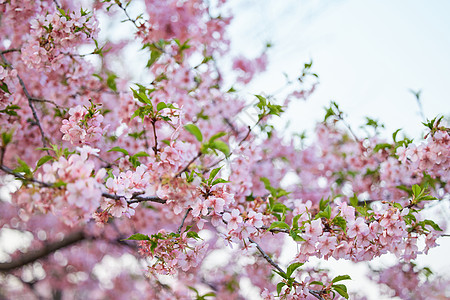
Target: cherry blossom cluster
{"x": 172, "y": 252}
{"x": 75, "y": 192}
{"x": 431, "y": 157}
{"x": 84, "y": 125}
{"x": 55, "y": 35}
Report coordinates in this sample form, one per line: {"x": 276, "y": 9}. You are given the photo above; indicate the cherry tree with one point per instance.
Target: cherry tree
{"x": 180, "y": 168}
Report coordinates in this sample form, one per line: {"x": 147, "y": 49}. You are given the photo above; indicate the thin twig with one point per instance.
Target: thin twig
{"x": 184, "y": 219}
{"x": 56, "y": 3}
{"x": 189, "y": 164}
{"x": 136, "y": 198}
{"x": 126, "y": 13}
{"x": 44, "y": 100}
{"x": 23, "y": 178}
{"x": 267, "y": 258}
{"x": 155, "y": 148}
{"x": 279, "y": 269}
{"x": 30, "y": 103}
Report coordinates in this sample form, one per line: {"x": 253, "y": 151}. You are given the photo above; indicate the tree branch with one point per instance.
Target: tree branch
{"x": 21, "y": 177}
{"x": 184, "y": 219}
{"x": 189, "y": 164}
{"x": 30, "y": 102}
{"x": 136, "y": 198}
{"x": 32, "y": 256}
{"x": 316, "y": 294}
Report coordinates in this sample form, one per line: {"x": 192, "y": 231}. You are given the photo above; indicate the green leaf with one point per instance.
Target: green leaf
{"x": 138, "y": 237}
{"x": 382, "y": 146}
{"x": 292, "y": 268}
{"x": 23, "y": 167}
{"x": 295, "y": 221}
{"x": 279, "y": 287}
{"x": 193, "y": 234}
{"x": 279, "y": 207}
{"x": 6, "y": 138}
{"x": 316, "y": 283}
{"x": 281, "y": 274}
{"x": 341, "y": 277}
{"x": 141, "y": 154}
{"x": 432, "y": 224}
{"x": 262, "y": 100}
{"x": 142, "y": 97}
{"x": 210, "y": 294}
{"x": 193, "y": 129}
{"x": 42, "y": 161}
{"x": 397, "y": 205}
{"x": 118, "y": 149}
{"x": 394, "y": 135}
{"x": 111, "y": 81}
{"x": 340, "y": 221}
{"x": 323, "y": 203}
{"x": 416, "y": 190}
{"x": 354, "y": 201}
{"x": 221, "y": 146}
{"x": 160, "y": 106}
{"x": 4, "y": 87}
{"x": 341, "y": 289}
{"x": 279, "y": 224}
{"x": 213, "y": 173}
{"x": 295, "y": 236}
{"x": 326, "y": 213}
{"x": 405, "y": 189}
{"x": 216, "y": 136}
{"x": 219, "y": 180}
{"x": 154, "y": 55}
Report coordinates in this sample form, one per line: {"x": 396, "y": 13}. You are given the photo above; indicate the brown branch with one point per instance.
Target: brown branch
{"x": 316, "y": 294}
{"x": 189, "y": 164}
{"x": 9, "y": 50}
{"x": 267, "y": 258}
{"x": 136, "y": 198}
{"x": 32, "y": 256}
{"x": 56, "y": 3}
{"x": 155, "y": 148}
{"x": 21, "y": 177}
{"x": 184, "y": 219}
{"x": 126, "y": 13}
{"x": 44, "y": 100}
{"x": 30, "y": 102}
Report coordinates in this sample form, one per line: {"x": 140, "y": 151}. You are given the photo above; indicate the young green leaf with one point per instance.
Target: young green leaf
{"x": 42, "y": 161}
{"x": 195, "y": 131}
{"x": 279, "y": 287}
{"x": 279, "y": 224}
{"x": 138, "y": 237}
{"x": 213, "y": 173}
{"x": 341, "y": 277}
{"x": 341, "y": 289}
{"x": 118, "y": 149}
{"x": 292, "y": 268}
{"x": 221, "y": 146}
{"x": 219, "y": 180}
{"x": 161, "y": 106}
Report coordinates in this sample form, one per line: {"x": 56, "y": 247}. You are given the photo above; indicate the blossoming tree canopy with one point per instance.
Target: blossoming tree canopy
{"x": 167, "y": 172}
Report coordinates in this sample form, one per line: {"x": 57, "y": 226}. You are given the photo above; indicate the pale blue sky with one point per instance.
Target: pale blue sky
{"x": 368, "y": 54}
